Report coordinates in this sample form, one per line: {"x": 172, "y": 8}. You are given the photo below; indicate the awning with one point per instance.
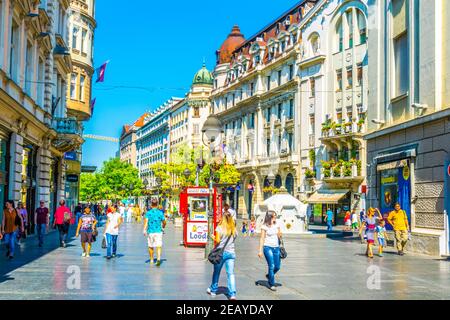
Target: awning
{"x": 327, "y": 196}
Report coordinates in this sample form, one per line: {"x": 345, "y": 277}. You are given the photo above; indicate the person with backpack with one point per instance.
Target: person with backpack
{"x": 62, "y": 220}
{"x": 154, "y": 223}
{"x": 86, "y": 228}
{"x": 11, "y": 221}
{"x": 269, "y": 246}
{"x": 225, "y": 237}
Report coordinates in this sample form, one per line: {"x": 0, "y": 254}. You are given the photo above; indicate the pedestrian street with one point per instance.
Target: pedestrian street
{"x": 316, "y": 268}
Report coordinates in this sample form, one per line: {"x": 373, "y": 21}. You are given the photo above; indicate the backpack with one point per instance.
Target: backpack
{"x": 67, "y": 217}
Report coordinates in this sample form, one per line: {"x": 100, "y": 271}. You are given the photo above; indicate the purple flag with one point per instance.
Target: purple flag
{"x": 101, "y": 72}
{"x": 93, "y": 105}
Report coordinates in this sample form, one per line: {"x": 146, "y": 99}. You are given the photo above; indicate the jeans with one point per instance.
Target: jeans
{"x": 329, "y": 225}
{"x": 10, "y": 241}
{"x": 63, "y": 231}
{"x": 228, "y": 261}
{"x": 41, "y": 228}
{"x": 273, "y": 262}
{"x": 111, "y": 243}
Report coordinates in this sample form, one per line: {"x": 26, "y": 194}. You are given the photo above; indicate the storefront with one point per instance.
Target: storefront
{"x": 4, "y": 165}
{"x": 28, "y": 188}
{"x": 54, "y": 172}
{"x": 395, "y": 186}
{"x": 338, "y": 200}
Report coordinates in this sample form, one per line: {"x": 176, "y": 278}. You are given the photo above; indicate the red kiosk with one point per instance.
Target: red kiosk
{"x": 194, "y": 203}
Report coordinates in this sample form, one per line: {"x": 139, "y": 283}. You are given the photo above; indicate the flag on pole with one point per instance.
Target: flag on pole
{"x": 101, "y": 72}
{"x": 92, "y": 106}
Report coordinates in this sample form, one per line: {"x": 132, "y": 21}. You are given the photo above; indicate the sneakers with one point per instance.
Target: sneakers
{"x": 401, "y": 253}
{"x": 158, "y": 263}
{"x": 108, "y": 257}
{"x": 83, "y": 254}
{"x": 114, "y": 255}
{"x": 233, "y": 298}
{"x": 273, "y": 288}
{"x": 212, "y": 294}
{"x": 88, "y": 255}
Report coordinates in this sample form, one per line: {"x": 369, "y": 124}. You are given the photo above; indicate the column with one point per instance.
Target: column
{"x": 43, "y": 174}
{"x": 15, "y": 167}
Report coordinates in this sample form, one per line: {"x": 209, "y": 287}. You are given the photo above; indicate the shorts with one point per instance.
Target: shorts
{"x": 348, "y": 223}
{"x": 355, "y": 225}
{"x": 154, "y": 240}
{"x": 371, "y": 241}
{"x": 86, "y": 237}
{"x": 382, "y": 242}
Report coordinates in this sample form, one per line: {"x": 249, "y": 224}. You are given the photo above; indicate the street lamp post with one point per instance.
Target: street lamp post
{"x": 212, "y": 131}
{"x": 145, "y": 182}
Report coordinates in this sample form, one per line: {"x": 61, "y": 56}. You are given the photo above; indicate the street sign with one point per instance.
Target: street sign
{"x": 72, "y": 155}
{"x": 72, "y": 178}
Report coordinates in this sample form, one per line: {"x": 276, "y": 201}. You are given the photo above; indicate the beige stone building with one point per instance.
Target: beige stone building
{"x": 34, "y": 128}
{"x": 127, "y": 152}
{"x": 408, "y": 142}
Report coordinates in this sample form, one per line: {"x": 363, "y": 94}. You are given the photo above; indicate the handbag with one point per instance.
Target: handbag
{"x": 216, "y": 254}
{"x": 283, "y": 252}
{"x": 17, "y": 221}
{"x": 104, "y": 243}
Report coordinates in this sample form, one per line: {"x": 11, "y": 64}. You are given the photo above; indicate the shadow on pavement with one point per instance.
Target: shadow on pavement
{"x": 29, "y": 251}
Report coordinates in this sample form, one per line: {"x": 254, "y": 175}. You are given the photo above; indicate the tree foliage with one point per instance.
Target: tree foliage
{"x": 115, "y": 180}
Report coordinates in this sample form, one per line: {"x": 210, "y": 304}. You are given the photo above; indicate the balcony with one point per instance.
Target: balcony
{"x": 342, "y": 171}
{"x": 69, "y": 134}
{"x": 341, "y": 134}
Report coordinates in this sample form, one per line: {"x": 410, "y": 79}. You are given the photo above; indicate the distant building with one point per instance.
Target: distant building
{"x": 153, "y": 141}
{"x": 127, "y": 152}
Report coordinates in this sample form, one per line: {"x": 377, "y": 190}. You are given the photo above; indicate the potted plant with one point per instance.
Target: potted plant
{"x": 310, "y": 174}
{"x": 348, "y": 127}
{"x": 326, "y": 126}
{"x": 337, "y": 128}
{"x": 360, "y": 124}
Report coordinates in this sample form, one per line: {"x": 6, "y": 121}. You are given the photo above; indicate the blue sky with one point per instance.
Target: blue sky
{"x": 159, "y": 45}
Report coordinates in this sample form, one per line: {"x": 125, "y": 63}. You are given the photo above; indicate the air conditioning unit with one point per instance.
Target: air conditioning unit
{"x": 287, "y": 22}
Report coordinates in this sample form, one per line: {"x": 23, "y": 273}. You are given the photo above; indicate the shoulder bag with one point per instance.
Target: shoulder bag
{"x": 216, "y": 254}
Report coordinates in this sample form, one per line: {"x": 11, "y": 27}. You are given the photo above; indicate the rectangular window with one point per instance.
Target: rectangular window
{"x": 234, "y": 100}
{"x": 339, "y": 79}
{"x": 291, "y": 141}
{"x": 350, "y": 28}
{"x": 81, "y": 91}
{"x": 268, "y": 114}
{"x": 268, "y": 147}
{"x": 291, "y": 109}
{"x": 14, "y": 53}
{"x": 360, "y": 74}
{"x": 83, "y": 40}
{"x": 279, "y": 77}
{"x": 75, "y": 31}
{"x": 280, "y": 110}
{"x": 251, "y": 124}
{"x": 73, "y": 86}
{"x": 400, "y": 45}
{"x": 312, "y": 83}
{"x": 252, "y": 89}
{"x": 349, "y": 77}
{"x": 268, "y": 82}
{"x": 312, "y": 121}
{"x": 196, "y": 112}
{"x": 29, "y": 69}
{"x": 291, "y": 72}
{"x": 40, "y": 85}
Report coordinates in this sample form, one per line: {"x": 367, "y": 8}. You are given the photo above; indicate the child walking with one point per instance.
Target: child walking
{"x": 382, "y": 236}
{"x": 244, "y": 228}
{"x": 252, "y": 229}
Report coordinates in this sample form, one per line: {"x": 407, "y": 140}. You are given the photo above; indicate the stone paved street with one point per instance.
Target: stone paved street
{"x": 317, "y": 268}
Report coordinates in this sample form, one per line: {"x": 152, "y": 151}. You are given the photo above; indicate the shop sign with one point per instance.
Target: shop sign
{"x": 198, "y": 191}
{"x": 72, "y": 155}
{"x": 197, "y": 232}
{"x": 72, "y": 178}
{"x": 73, "y": 166}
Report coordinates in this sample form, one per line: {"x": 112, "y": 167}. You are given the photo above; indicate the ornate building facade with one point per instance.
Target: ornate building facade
{"x": 333, "y": 101}
{"x": 34, "y": 129}
{"x": 127, "y": 152}
{"x": 256, "y": 97}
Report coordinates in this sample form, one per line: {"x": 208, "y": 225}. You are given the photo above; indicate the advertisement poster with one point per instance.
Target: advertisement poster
{"x": 198, "y": 208}
{"x": 197, "y": 232}
{"x": 395, "y": 187}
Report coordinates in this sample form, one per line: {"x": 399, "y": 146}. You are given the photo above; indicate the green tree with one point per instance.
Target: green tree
{"x": 116, "y": 174}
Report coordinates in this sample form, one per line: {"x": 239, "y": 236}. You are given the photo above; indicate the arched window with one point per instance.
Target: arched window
{"x": 362, "y": 27}
{"x": 339, "y": 36}
{"x": 278, "y": 182}
{"x": 314, "y": 41}
{"x": 290, "y": 183}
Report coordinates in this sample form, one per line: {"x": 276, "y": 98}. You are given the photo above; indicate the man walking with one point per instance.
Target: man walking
{"x": 42, "y": 221}
{"x": 399, "y": 221}
{"x": 329, "y": 219}
{"x": 62, "y": 220}
{"x": 153, "y": 229}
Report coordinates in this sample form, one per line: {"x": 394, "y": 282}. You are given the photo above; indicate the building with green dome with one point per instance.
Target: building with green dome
{"x": 203, "y": 77}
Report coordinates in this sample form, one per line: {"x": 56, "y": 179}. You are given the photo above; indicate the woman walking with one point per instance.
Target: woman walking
{"x": 269, "y": 245}
{"x": 112, "y": 232}
{"x": 11, "y": 221}
{"x": 226, "y": 236}
{"x": 368, "y": 226}
{"x": 86, "y": 227}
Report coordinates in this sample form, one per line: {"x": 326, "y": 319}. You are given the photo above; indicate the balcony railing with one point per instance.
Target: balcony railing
{"x": 332, "y": 170}
{"x": 342, "y": 130}
{"x": 68, "y": 126}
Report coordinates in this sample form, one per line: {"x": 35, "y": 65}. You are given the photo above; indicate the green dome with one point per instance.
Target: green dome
{"x": 203, "y": 76}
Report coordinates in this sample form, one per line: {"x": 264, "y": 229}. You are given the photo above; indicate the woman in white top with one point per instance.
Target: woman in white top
{"x": 269, "y": 245}
{"x": 112, "y": 231}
